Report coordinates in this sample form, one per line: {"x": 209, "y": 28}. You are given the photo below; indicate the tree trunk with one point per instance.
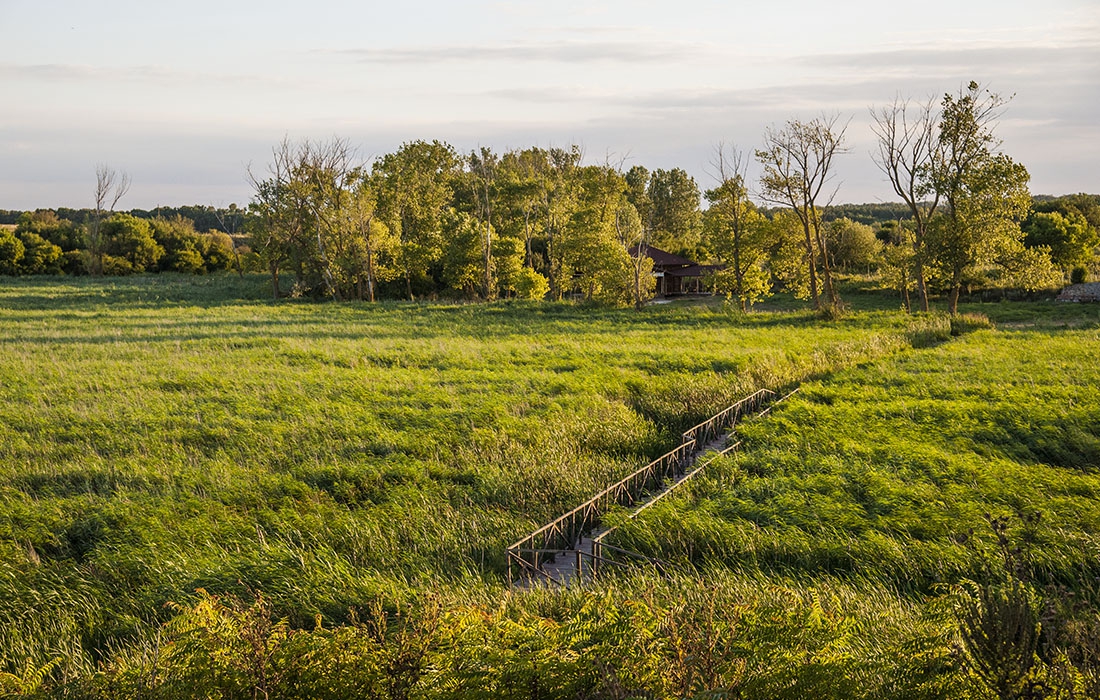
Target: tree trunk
{"x": 826, "y": 266}
{"x": 811, "y": 262}
{"x": 527, "y": 237}
{"x": 918, "y": 268}
{"x": 956, "y": 287}
{"x": 488, "y": 259}
{"x": 275, "y": 281}
{"x": 922, "y": 288}
{"x": 370, "y": 274}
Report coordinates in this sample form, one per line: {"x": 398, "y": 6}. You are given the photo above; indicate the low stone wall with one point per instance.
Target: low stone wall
{"x": 1081, "y": 292}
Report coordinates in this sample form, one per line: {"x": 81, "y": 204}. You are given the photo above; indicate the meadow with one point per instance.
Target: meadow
{"x": 188, "y": 471}
{"x": 888, "y": 471}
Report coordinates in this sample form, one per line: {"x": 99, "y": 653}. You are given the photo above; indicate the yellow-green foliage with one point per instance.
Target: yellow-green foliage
{"x": 341, "y": 481}
{"x": 159, "y": 435}
{"x": 634, "y": 638}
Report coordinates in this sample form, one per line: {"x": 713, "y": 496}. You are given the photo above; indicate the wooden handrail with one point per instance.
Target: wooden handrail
{"x": 562, "y": 533}
{"x": 674, "y": 458}
{"x": 711, "y": 427}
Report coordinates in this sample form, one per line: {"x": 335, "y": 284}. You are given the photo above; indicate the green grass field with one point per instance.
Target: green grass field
{"x": 161, "y": 435}
{"x": 889, "y": 472}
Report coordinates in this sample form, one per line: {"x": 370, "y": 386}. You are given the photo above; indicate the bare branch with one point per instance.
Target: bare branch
{"x": 110, "y": 185}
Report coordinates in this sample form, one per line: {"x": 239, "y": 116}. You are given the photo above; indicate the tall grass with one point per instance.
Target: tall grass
{"x": 164, "y": 434}
{"x": 891, "y": 472}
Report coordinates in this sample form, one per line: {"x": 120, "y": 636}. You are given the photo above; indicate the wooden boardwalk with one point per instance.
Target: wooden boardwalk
{"x": 570, "y": 548}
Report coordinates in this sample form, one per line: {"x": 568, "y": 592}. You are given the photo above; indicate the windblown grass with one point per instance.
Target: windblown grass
{"x": 890, "y": 472}
{"x": 164, "y": 434}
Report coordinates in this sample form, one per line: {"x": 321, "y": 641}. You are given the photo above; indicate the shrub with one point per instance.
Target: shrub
{"x": 967, "y": 323}
{"x": 40, "y": 257}
{"x": 11, "y": 253}
{"x": 74, "y": 262}
{"x": 117, "y": 267}
{"x": 217, "y": 251}
{"x": 832, "y": 312}
{"x": 1079, "y": 275}
{"x": 130, "y": 239}
{"x": 929, "y": 329}
{"x": 531, "y": 284}
{"x": 182, "y": 248}
{"x": 46, "y": 223}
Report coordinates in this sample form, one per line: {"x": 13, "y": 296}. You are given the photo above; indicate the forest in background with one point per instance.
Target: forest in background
{"x": 534, "y": 223}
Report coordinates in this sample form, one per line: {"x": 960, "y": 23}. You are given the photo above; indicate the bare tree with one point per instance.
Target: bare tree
{"x": 279, "y": 201}
{"x": 907, "y": 143}
{"x": 329, "y": 170}
{"x": 483, "y": 164}
{"x": 797, "y": 162}
{"x": 110, "y": 186}
{"x": 314, "y": 214}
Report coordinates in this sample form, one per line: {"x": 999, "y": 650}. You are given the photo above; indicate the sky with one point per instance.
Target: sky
{"x": 187, "y": 97}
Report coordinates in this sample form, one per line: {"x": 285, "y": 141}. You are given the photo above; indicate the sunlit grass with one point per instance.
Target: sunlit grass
{"x": 889, "y": 472}
{"x": 163, "y": 434}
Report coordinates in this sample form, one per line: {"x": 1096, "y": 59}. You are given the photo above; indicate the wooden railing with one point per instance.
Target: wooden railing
{"x": 563, "y": 534}
{"x": 722, "y": 422}
{"x": 604, "y": 553}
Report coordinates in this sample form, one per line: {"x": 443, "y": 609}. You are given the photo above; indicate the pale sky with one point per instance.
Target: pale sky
{"x": 184, "y": 96}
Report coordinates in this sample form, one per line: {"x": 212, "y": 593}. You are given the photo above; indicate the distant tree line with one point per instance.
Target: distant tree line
{"x": 43, "y": 242}
{"x": 428, "y": 221}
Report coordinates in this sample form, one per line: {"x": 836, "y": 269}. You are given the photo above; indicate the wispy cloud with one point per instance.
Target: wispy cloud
{"x": 1030, "y": 58}
{"x": 704, "y": 99}
{"x": 554, "y": 52}
{"x": 73, "y": 72}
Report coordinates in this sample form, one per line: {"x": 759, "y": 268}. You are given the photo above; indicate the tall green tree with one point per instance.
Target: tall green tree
{"x": 797, "y": 162}
{"x": 416, "y": 185}
{"x": 522, "y": 179}
{"x": 1070, "y": 238}
{"x": 787, "y": 253}
{"x": 463, "y": 255}
{"x": 590, "y": 247}
{"x": 736, "y": 233}
{"x": 561, "y": 195}
{"x": 675, "y": 219}
{"x": 370, "y": 254}
{"x": 985, "y": 195}
{"x": 483, "y": 165}
{"x": 633, "y": 237}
